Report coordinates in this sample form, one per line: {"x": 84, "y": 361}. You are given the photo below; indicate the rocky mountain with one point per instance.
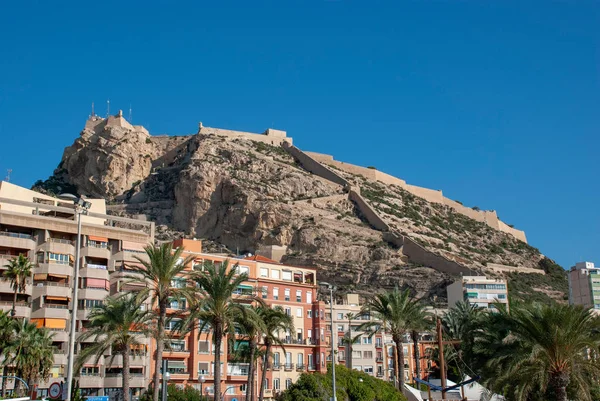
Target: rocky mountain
{"x": 244, "y": 193}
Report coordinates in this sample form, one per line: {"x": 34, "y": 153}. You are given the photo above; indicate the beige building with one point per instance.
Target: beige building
{"x": 478, "y": 290}
{"x": 44, "y": 228}
{"x": 584, "y": 285}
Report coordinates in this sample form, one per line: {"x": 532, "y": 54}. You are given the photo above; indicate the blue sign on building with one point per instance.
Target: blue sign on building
{"x": 105, "y": 398}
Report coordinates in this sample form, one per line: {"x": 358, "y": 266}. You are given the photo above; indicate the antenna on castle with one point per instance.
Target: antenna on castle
{"x": 130, "y": 120}
{"x": 108, "y": 108}
{"x": 93, "y": 114}
{"x": 7, "y": 178}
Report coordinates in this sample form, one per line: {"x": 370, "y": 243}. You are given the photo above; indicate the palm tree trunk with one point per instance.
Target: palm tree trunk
{"x": 125, "y": 353}
{"x": 560, "y": 381}
{"x": 4, "y": 379}
{"x": 13, "y": 311}
{"x": 350, "y": 349}
{"x": 160, "y": 345}
{"x": 250, "y": 393}
{"x": 218, "y": 339}
{"x": 415, "y": 337}
{"x": 399, "y": 357}
{"x": 264, "y": 371}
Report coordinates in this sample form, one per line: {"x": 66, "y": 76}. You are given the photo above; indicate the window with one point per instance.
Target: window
{"x": 378, "y": 342}
{"x": 367, "y": 340}
{"x": 359, "y": 368}
{"x": 300, "y": 359}
{"x": 357, "y": 354}
{"x": 309, "y": 334}
{"x": 276, "y": 359}
{"x": 173, "y": 324}
{"x": 265, "y": 292}
{"x": 60, "y": 258}
{"x": 309, "y": 297}
{"x": 242, "y": 389}
{"x": 298, "y": 312}
{"x": 309, "y": 314}
{"x": 368, "y": 369}
{"x": 340, "y": 316}
{"x": 298, "y": 296}
{"x": 276, "y": 384}
{"x": 178, "y": 283}
{"x": 175, "y": 345}
{"x": 328, "y": 327}
{"x": 311, "y": 363}
{"x": 501, "y": 296}
{"x": 288, "y": 359}
{"x": 275, "y": 274}
{"x": 237, "y": 369}
{"x": 288, "y": 383}
{"x": 276, "y": 293}
{"x": 287, "y": 275}
{"x": 203, "y": 368}
{"x": 264, "y": 272}
{"x": 90, "y": 371}
{"x": 288, "y": 311}
{"x": 203, "y": 347}
{"x": 242, "y": 269}
{"x": 368, "y": 354}
{"x": 286, "y": 294}
{"x": 340, "y": 327}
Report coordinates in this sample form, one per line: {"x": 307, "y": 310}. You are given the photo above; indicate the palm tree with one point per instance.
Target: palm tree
{"x": 164, "y": 265}
{"x": 31, "y": 353}
{"x": 541, "y": 349}
{"x": 7, "y": 337}
{"x": 421, "y": 321}
{"x": 253, "y": 327}
{"x": 348, "y": 340}
{"x": 118, "y": 323}
{"x": 216, "y": 308}
{"x": 462, "y": 322}
{"x": 394, "y": 312}
{"x": 276, "y": 321}
{"x": 18, "y": 270}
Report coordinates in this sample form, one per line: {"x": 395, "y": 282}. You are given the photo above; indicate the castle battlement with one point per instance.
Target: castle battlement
{"x": 96, "y": 123}
{"x": 270, "y": 136}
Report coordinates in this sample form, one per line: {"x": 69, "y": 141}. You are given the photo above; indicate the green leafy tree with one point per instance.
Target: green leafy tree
{"x": 7, "y": 337}
{"x": 217, "y": 308}
{"x": 541, "y": 352}
{"x": 395, "y": 312}
{"x": 117, "y": 324}
{"x": 163, "y": 266}
{"x": 18, "y": 271}
{"x": 275, "y": 321}
{"x": 30, "y": 353}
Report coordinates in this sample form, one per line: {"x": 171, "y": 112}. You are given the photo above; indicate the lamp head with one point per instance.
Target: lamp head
{"x": 202, "y": 379}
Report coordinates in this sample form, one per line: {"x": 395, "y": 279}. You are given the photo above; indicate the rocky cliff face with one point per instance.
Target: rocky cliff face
{"x": 243, "y": 194}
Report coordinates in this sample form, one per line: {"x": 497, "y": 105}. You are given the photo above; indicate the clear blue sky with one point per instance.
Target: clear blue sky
{"x": 495, "y": 102}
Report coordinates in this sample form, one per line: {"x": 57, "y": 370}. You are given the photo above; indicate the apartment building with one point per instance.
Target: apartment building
{"x": 478, "y": 290}
{"x": 191, "y": 357}
{"x": 373, "y": 354}
{"x": 45, "y": 229}
{"x": 584, "y": 285}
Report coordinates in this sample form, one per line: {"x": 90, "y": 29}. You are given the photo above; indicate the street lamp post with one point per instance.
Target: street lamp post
{"x": 201, "y": 379}
{"x": 331, "y": 288}
{"x": 81, "y": 207}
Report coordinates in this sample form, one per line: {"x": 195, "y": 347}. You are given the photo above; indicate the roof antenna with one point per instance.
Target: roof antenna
{"x": 93, "y": 114}
{"x": 130, "y": 120}
{"x": 7, "y": 178}
{"x": 108, "y": 108}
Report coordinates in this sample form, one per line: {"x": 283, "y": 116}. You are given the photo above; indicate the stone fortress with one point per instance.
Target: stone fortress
{"x": 320, "y": 164}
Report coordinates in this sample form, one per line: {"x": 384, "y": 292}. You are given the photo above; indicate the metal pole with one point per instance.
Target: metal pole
{"x": 333, "y": 332}
{"x": 75, "y": 283}
{"x": 442, "y": 361}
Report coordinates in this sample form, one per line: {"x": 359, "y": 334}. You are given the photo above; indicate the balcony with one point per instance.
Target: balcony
{"x": 91, "y": 381}
{"x": 95, "y": 252}
{"x": 130, "y": 255}
{"x": 60, "y": 357}
{"x": 379, "y": 359}
{"x": 90, "y": 270}
{"x": 176, "y": 353}
{"x": 6, "y": 287}
{"x": 22, "y": 309}
{"x": 53, "y": 289}
{"x": 54, "y": 268}
{"x": 17, "y": 240}
{"x": 180, "y": 376}
{"x": 115, "y": 380}
{"x": 268, "y": 392}
{"x": 59, "y": 335}
{"x": 312, "y": 367}
{"x": 117, "y": 361}
{"x": 288, "y": 367}
{"x": 299, "y": 368}
{"x": 92, "y": 293}
{"x": 52, "y": 311}
{"x": 275, "y": 366}
{"x": 57, "y": 245}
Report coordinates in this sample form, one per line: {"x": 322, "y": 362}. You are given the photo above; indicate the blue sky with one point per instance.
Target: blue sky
{"x": 497, "y": 103}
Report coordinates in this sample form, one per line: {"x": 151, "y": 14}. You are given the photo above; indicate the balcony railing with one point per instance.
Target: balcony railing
{"x": 288, "y": 367}
{"x": 276, "y": 366}
{"x": 51, "y": 284}
{"x": 95, "y": 266}
{"x": 60, "y": 241}
{"x": 295, "y": 341}
{"x": 299, "y": 368}
{"x": 312, "y": 367}
{"x": 53, "y": 306}
{"x": 15, "y": 235}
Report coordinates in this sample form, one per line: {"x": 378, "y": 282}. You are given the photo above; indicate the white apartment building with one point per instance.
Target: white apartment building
{"x": 584, "y": 285}
{"x": 478, "y": 290}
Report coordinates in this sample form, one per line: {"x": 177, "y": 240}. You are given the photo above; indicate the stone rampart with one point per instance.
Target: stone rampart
{"x": 513, "y": 269}
{"x": 310, "y": 164}
{"x": 271, "y": 136}
{"x": 416, "y": 253}
{"x": 488, "y": 217}
{"x": 368, "y": 212}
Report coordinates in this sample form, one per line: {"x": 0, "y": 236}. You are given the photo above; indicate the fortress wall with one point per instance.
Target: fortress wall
{"x": 310, "y": 164}
{"x": 389, "y": 179}
{"x": 430, "y": 195}
{"x": 467, "y": 211}
{"x": 273, "y": 137}
{"x": 509, "y": 269}
{"x": 519, "y": 234}
{"x": 368, "y": 212}
{"x": 491, "y": 218}
{"x": 418, "y": 254}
